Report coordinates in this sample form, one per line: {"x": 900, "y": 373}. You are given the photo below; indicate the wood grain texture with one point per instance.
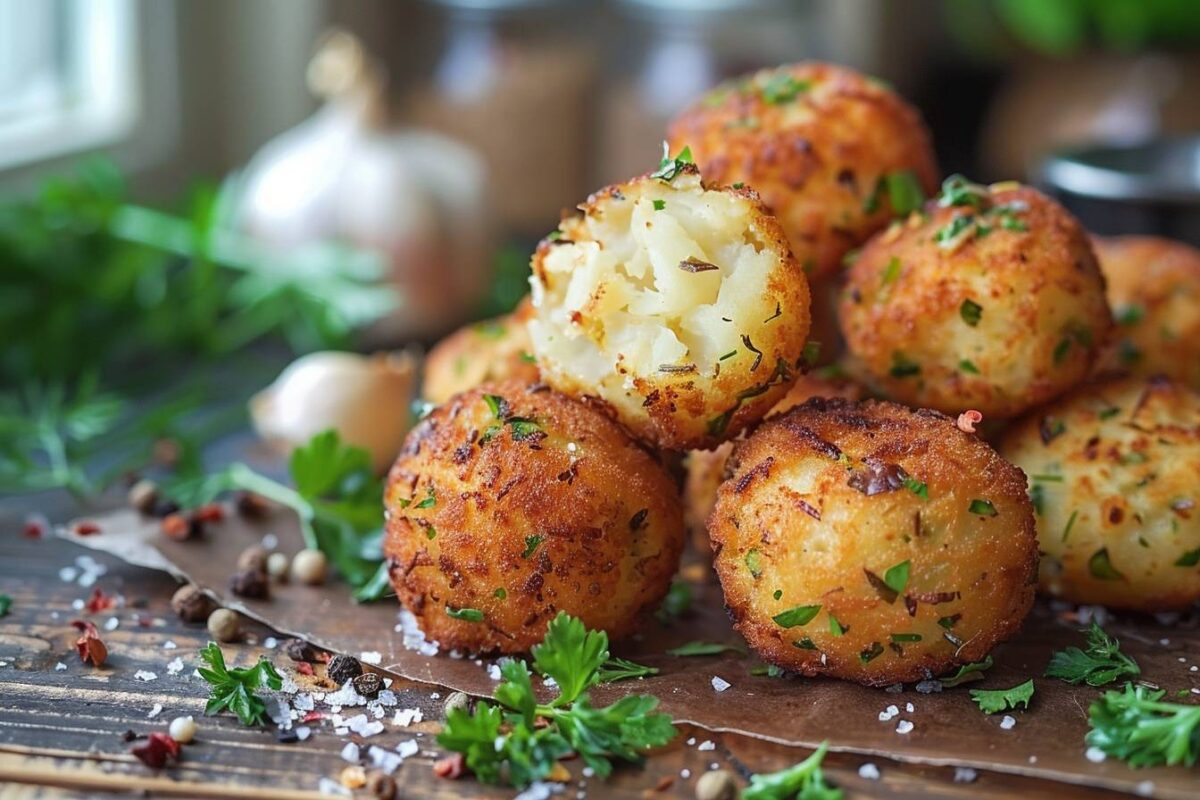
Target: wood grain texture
{"x": 60, "y": 730}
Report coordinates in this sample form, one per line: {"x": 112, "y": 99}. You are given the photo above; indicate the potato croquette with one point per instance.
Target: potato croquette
{"x": 677, "y": 305}
{"x": 992, "y": 300}
{"x": 511, "y": 503}
{"x": 1113, "y": 473}
{"x": 496, "y": 349}
{"x": 1154, "y": 291}
{"x": 836, "y": 154}
{"x": 873, "y": 543}
{"x": 706, "y": 468}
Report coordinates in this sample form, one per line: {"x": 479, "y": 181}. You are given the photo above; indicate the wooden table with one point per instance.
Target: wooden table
{"x": 62, "y": 727}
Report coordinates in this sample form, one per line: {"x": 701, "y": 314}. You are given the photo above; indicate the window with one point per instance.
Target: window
{"x": 68, "y": 77}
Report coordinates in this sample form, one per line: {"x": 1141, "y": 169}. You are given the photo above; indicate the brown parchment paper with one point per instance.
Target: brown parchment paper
{"x": 948, "y": 729}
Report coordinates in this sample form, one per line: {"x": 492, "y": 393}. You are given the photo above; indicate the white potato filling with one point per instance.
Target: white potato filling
{"x": 655, "y": 288}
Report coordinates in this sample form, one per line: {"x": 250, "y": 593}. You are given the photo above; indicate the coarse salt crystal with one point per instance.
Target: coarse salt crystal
{"x": 691, "y": 742}
{"x": 370, "y": 657}
{"x": 60, "y": 667}
{"x": 407, "y": 716}
{"x": 965, "y": 775}
{"x": 111, "y": 624}
{"x": 270, "y": 642}
{"x": 888, "y": 714}
{"x": 270, "y": 541}
{"x": 175, "y": 666}
{"x": 1094, "y": 755}
{"x": 169, "y": 645}
{"x": 707, "y": 744}
{"x": 303, "y": 732}
{"x": 145, "y": 675}
{"x": 1144, "y": 789}
{"x": 68, "y": 574}
{"x": 155, "y": 711}
{"x": 909, "y": 707}
{"x": 869, "y": 772}
{"x": 350, "y": 753}
{"x": 685, "y": 773}
{"x": 331, "y": 787}
{"x": 407, "y": 748}
{"x": 720, "y": 684}
{"x": 540, "y": 790}
{"x": 1008, "y": 723}
{"x": 904, "y": 727}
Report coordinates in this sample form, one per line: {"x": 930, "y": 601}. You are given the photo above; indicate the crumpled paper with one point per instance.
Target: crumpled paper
{"x": 947, "y": 728}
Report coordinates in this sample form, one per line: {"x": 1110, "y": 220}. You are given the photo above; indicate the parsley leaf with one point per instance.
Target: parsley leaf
{"x": 795, "y": 617}
{"x": 519, "y": 740}
{"x": 676, "y": 603}
{"x": 994, "y": 701}
{"x": 804, "y": 781}
{"x": 1099, "y": 663}
{"x": 571, "y": 655}
{"x": 896, "y": 577}
{"x": 622, "y": 669}
{"x": 669, "y": 167}
{"x": 234, "y": 689}
{"x": 967, "y": 672}
{"x": 1136, "y": 726}
{"x": 5, "y": 605}
{"x": 704, "y": 649}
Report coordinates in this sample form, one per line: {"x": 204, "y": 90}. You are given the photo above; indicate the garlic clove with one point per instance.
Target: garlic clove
{"x": 366, "y": 399}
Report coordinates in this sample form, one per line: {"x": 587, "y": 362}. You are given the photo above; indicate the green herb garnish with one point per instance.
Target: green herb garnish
{"x": 994, "y": 701}
{"x": 795, "y": 617}
{"x": 804, "y": 781}
{"x": 234, "y": 689}
{"x": 983, "y": 508}
{"x": 669, "y": 167}
{"x": 1100, "y": 662}
{"x": 971, "y": 312}
{"x": 705, "y": 649}
{"x": 903, "y": 366}
{"x": 531, "y": 545}
{"x": 1136, "y": 726}
{"x": 967, "y": 672}
{"x": 676, "y": 603}
{"x": 518, "y": 740}
{"x": 1101, "y": 568}
{"x": 465, "y": 614}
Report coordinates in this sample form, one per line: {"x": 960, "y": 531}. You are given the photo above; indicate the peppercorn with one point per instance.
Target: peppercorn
{"x": 343, "y": 668}
{"x": 224, "y": 625}
{"x": 143, "y": 496}
{"x": 299, "y": 650}
{"x": 250, "y": 583}
{"x": 191, "y": 604}
{"x": 368, "y": 684}
{"x": 251, "y": 506}
{"x": 277, "y": 566}
{"x": 164, "y": 507}
{"x": 180, "y": 527}
{"x": 309, "y": 566}
{"x": 380, "y": 785}
{"x": 457, "y": 700}
{"x": 719, "y": 784}
{"x": 253, "y": 559}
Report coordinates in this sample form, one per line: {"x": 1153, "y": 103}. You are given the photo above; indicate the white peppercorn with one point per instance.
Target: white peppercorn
{"x": 224, "y": 625}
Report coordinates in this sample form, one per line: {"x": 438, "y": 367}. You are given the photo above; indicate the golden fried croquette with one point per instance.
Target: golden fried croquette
{"x": 871, "y": 542}
{"x": 678, "y": 305}
{"x": 836, "y": 154}
{"x": 1114, "y": 473}
{"x": 495, "y": 349}
{"x": 511, "y": 503}
{"x": 992, "y": 300}
{"x": 706, "y": 468}
{"x": 1154, "y": 291}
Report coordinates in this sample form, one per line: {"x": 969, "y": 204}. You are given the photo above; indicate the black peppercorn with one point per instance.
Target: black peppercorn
{"x": 250, "y": 583}
{"x": 191, "y": 604}
{"x": 286, "y": 736}
{"x": 299, "y": 650}
{"x": 164, "y": 507}
{"x": 343, "y": 668}
{"x": 368, "y": 684}
{"x": 251, "y": 506}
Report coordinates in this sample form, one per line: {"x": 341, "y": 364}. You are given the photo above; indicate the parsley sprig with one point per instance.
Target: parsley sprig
{"x": 234, "y": 689}
{"x": 993, "y": 701}
{"x": 804, "y": 781}
{"x": 337, "y": 497}
{"x": 669, "y": 167}
{"x": 1136, "y": 726}
{"x": 518, "y": 740}
{"x": 1099, "y": 663}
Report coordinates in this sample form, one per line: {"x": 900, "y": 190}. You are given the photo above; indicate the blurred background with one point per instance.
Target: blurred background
{"x": 184, "y": 180}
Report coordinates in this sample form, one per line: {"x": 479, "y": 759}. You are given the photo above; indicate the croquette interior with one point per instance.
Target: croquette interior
{"x": 668, "y": 274}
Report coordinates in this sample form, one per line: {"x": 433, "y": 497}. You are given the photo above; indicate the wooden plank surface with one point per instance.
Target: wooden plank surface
{"x": 60, "y": 729}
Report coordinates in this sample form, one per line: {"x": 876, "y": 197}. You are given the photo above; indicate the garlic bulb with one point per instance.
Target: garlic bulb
{"x": 364, "y": 398}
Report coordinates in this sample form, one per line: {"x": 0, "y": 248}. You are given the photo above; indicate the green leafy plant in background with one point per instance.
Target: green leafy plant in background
{"x": 1064, "y": 27}
{"x": 92, "y": 285}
